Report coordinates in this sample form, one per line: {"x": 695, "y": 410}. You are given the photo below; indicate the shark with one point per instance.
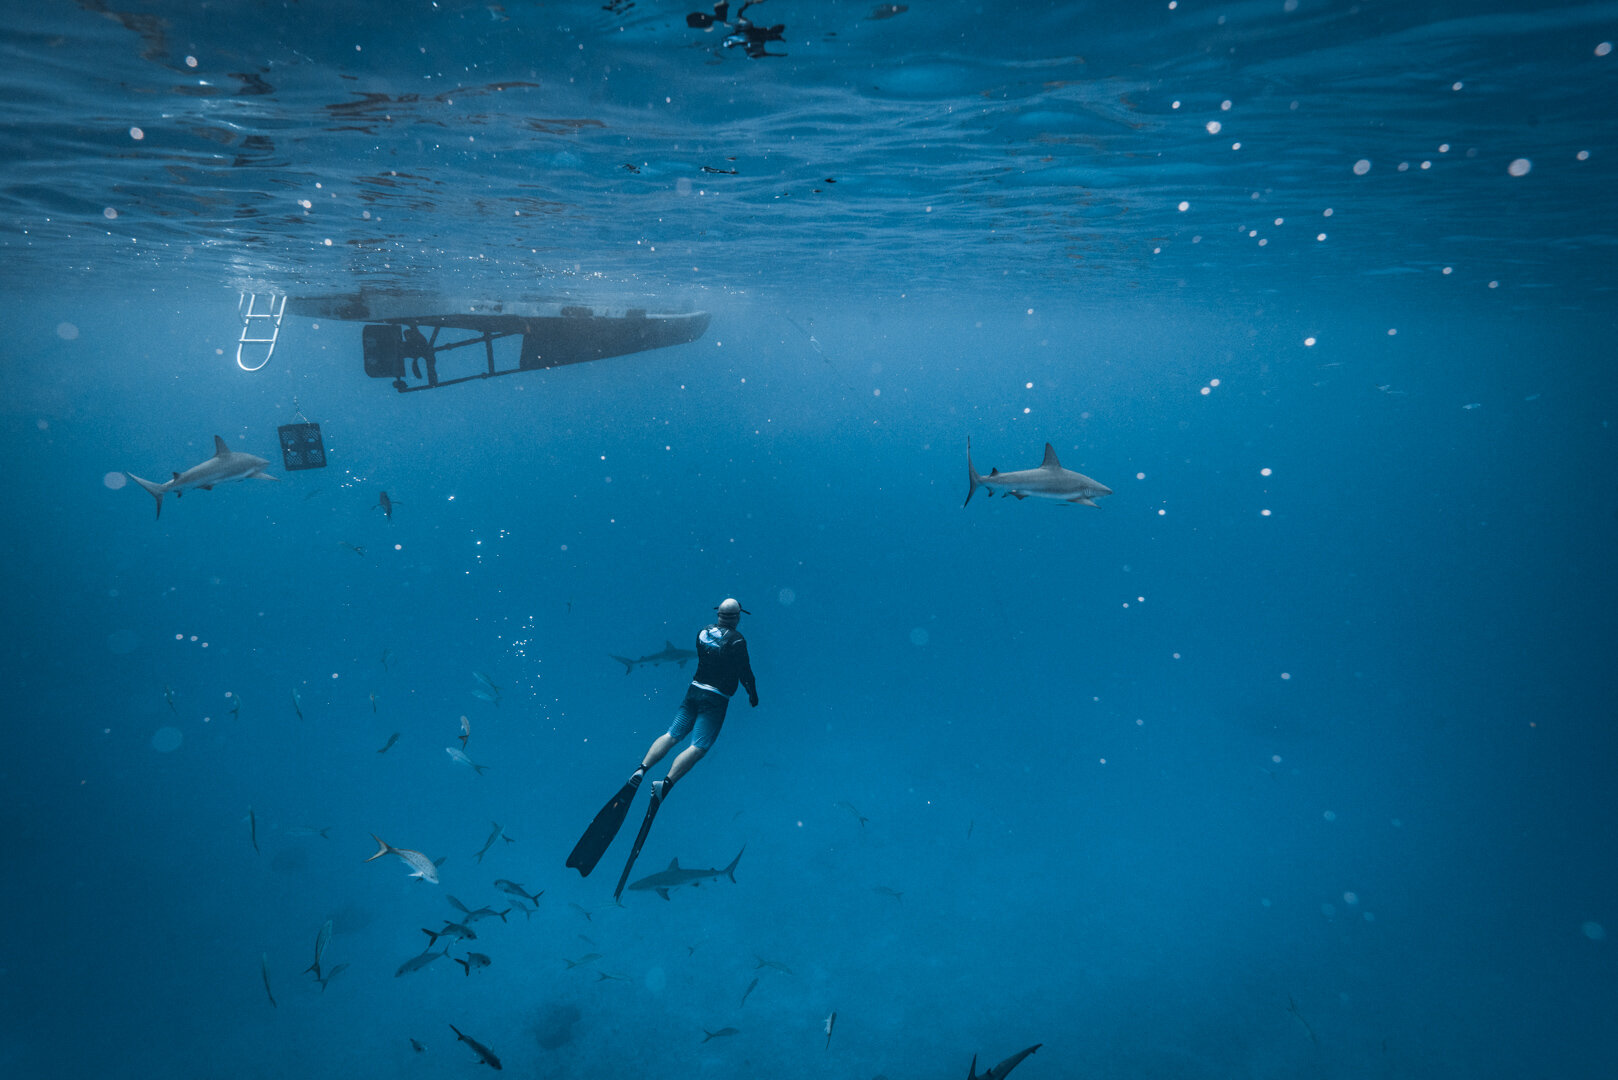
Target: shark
{"x": 1049, "y": 481}
{"x": 675, "y": 876}
{"x": 226, "y": 465}
{"x": 669, "y": 655}
{"x": 999, "y": 1071}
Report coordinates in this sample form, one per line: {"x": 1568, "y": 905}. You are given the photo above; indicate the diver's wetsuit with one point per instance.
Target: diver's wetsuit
{"x": 722, "y": 663}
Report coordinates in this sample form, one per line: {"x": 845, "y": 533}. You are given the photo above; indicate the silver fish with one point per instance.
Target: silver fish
{"x": 420, "y": 865}
{"x": 297, "y": 703}
{"x": 322, "y": 939}
{"x": 252, "y": 828}
{"x": 451, "y": 929}
{"x": 330, "y": 975}
{"x": 389, "y": 744}
{"x": 473, "y": 960}
{"x": 721, "y": 1033}
{"x": 485, "y": 913}
{"x": 416, "y": 963}
{"x": 264, "y": 970}
{"x": 513, "y": 889}
{"x": 489, "y": 843}
{"x": 485, "y": 1055}
{"x": 457, "y": 755}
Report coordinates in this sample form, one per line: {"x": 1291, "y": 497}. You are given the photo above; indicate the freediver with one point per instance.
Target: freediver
{"x": 744, "y": 33}
{"x": 722, "y": 665}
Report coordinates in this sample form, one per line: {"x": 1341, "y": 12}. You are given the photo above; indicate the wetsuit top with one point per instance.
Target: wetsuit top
{"x": 722, "y": 660}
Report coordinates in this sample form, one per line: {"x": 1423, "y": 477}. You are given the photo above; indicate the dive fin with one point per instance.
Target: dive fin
{"x": 598, "y": 837}
{"x": 640, "y": 838}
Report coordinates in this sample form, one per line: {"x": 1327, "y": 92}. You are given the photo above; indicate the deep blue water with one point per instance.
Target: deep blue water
{"x": 1294, "y": 758}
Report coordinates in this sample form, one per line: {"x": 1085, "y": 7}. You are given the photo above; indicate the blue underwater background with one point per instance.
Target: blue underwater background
{"x": 1294, "y": 758}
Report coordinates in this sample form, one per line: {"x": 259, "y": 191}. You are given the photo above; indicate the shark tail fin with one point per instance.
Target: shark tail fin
{"x": 730, "y": 871}
{"x": 971, "y": 473}
{"x": 629, "y": 665}
{"x": 972, "y": 1069}
{"x": 156, "y": 491}
{"x": 382, "y": 849}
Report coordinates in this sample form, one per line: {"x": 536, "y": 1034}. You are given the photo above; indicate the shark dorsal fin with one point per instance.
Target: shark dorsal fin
{"x": 994, "y": 472}
{"x": 219, "y": 447}
{"x": 1050, "y": 461}
{"x": 668, "y": 646}
{"x": 674, "y": 863}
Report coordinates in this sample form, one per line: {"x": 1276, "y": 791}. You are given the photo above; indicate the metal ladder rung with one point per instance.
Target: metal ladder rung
{"x": 274, "y": 311}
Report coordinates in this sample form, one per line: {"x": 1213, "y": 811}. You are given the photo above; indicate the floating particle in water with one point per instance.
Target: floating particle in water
{"x": 1361, "y": 167}
{"x": 786, "y": 597}
{"x": 1520, "y": 167}
{"x": 114, "y": 480}
{"x": 1330, "y": 815}
{"x": 1595, "y": 931}
{"x": 66, "y": 331}
{"x": 167, "y": 739}
{"x": 919, "y": 636}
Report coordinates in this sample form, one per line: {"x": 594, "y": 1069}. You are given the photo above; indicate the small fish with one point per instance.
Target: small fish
{"x": 168, "y": 696}
{"x": 297, "y": 703}
{"x": 473, "y": 960}
{"x": 252, "y": 828}
{"x": 492, "y": 699}
{"x": 580, "y": 910}
{"x": 1292, "y": 1007}
{"x": 312, "y": 494}
{"x": 355, "y": 548}
{"x": 720, "y": 1034}
{"x": 466, "y": 731}
{"x": 885, "y": 891}
{"x": 776, "y": 964}
{"x": 485, "y": 1055}
{"x": 332, "y": 974}
{"x": 749, "y": 989}
{"x": 420, "y": 865}
{"x": 831, "y": 1022}
{"x": 581, "y": 961}
{"x": 235, "y": 706}
{"x": 389, "y": 744}
{"x": 264, "y": 970}
{"x": 850, "y": 808}
{"x": 302, "y": 831}
{"x": 451, "y": 929}
{"x": 511, "y": 888}
{"x": 416, "y": 1046}
{"x": 322, "y": 939}
{"x": 486, "y": 681}
{"x": 489, "y": 843}
{"x": 373, "y": 701}
{"x": 386, "y": 505}
{"x": 457, "y": 755}
{"x": 485, "y": 913}
{"x": 606, "y": 975}
{"x": 970, "y": 825}
{"x": 387, "y": 654}
{"x": 416, "y": 963}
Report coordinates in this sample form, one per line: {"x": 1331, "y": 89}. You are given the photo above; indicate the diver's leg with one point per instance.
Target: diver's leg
{"x": 683, "y": 763}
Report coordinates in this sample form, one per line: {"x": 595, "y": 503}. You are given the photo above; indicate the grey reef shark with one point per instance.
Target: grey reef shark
{"x": 999, "y": 1071}
{"x": 225, "y": 466}
{"x": 676, "y": 875}
{"x": 670, "y": 654}
{"x": 1049, "y": 481}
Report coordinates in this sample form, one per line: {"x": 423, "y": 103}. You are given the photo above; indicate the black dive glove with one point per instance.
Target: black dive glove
{"x": 752, "y": 698}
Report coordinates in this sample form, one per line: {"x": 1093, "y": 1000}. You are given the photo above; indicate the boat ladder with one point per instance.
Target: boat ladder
{"x": 260, "y": 327}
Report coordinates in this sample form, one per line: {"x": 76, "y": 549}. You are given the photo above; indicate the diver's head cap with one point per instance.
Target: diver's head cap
{"x": 730, "y": 612}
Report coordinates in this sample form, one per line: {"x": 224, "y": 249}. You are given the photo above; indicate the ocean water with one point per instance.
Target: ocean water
{"x": 1292, "y": 758}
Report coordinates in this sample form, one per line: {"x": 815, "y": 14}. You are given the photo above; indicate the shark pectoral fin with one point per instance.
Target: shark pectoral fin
{"x": 1084, "y": 500}
{"x": 262, "y": 475}
{"x": 1020, "y": 496}
{"x": 219, "y": 447}
{"x": 205, "y": 487}
{"x": 664, "y": 893}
